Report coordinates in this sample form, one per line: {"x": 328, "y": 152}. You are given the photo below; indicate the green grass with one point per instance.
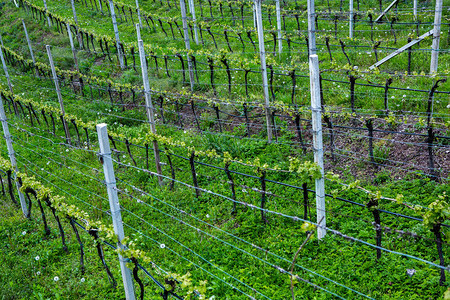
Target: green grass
{"x": 350, "y": 263}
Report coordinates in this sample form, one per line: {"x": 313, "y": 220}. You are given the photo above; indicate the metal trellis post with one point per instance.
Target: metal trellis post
{"x": 5, "y": 69}
{"x": 116, "y": 33}
{"x": 317, "y": 143}
{"x": 74, "y": 51}
{"x": 149, "y": 109}
{"x": 311, "y": 27}
{"x": 138, "y": 11}
{"x": 29, "y": 46}
{"x": 58, "y": 92}
{"x": 262, "y": 53}
{"x": 192, "y": 8}
{"x": 436, "y": 37}
{"x": 12, "y": 156}
{"x": 110, "y": 181}
{"x": 8, "y": 79}
{"x": 280, "y": 37}
{"x": 350, "y": 17}
{"x": 101, "y": 6}
{"x": 46, "y": 11}
{"x": 80, "y": 40}
{"x": 187, "y": 43}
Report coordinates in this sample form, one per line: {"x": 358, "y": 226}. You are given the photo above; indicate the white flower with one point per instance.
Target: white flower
{"x": 207, "y": 215}
{"x": 38, "y": 273}
{"x": 124, "y": 156}
{"x": 82, "y": 280}
{"x": 410, "y": 272}
{"x": 67, "y": 150}
{"x": 162, "y": 246}
{"x": 48, "y": 162}
{"x": 404, "y": 96}
{"x": 24, "y": 232}
{"x": 355, "y": 67}
{"x": 393, "y": 97}
{"x": 37, "y": 257}
{"x": 56, "y": 278}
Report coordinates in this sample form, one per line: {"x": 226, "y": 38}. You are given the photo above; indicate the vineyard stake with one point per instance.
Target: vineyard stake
{"x": 5, "y": 69}
{"x": 12, "y": 156}
{"x": 149, "y": 108}
{"x": 400, "y": 50}
{"x": 80, "y": 40}
{"x": 74, "y": 51}
{"x": 138, "y": 33}
{"x": 317, "y": 142}
{"x": 192, "y": 9}
{"x": 262, "y": 53}
{"x": 254, "y": 16}
{"x": 101, "y": 7}
{"x": 436, "y": 36}
{"x": 187, "y": 43}
{"x": 110, "y": 182}
{"x": 280, "y": 38}
{"x": 58, "y": 91}
{"x": 386, "y": 10}
{"x": 46, "y": 12}
{"x": 415, "y": 8}
{"x": 350, "y": 34}
{"x": 29, "y": 47}
{"x": 311, "y": 27}
{"x": 139, "y": 13}
{"x": 116, "y": 33}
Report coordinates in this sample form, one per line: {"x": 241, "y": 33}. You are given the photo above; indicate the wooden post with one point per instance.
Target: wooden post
{"x": 350, "y": 34}
{"x": 262, "y": 54}
{"x": 187, "y": 42}
{"x": 280, "y": 37}
{"x": 46, "y": 12}
{"x": 29, "y": 46}
{"x": 12, "y": 156}
{"x": 311, "y": 27}
{"x": 436, "y": 36}
{"x": 116, "y": 33}
{"x": 415, "y": 8}
{"x": 149, "y": 108}
{"x": 74, "y": 51}
{"x": 138, "y": 11}
{"x": 110, "y": 181}
{"x": 317, "y": 142}
{"x": 74, "y": 12}
{"x": 58, "y": 91}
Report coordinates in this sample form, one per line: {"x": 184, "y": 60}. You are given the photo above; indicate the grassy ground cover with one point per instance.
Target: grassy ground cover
{"x": 187, "y": 234}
